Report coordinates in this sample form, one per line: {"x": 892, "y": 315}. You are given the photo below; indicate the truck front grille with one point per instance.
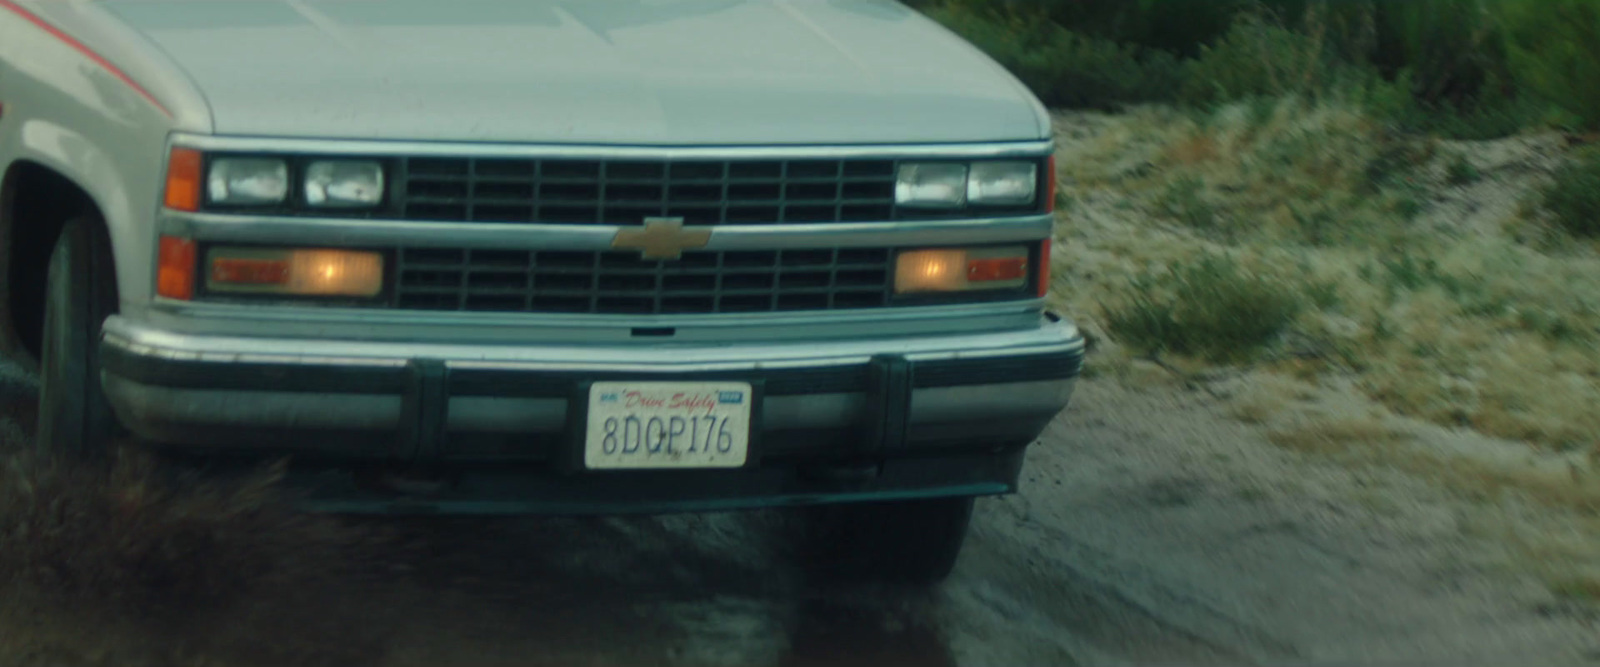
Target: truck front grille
{"x": 706, "y": 192}
{"x": 611, "y": 282}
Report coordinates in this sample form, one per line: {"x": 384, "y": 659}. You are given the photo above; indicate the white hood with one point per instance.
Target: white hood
{"x": 636, "y": 72}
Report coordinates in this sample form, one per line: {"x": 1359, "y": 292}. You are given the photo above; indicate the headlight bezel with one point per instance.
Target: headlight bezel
{"x": 1037, "y": 201}
{"x": 296, "y": 203}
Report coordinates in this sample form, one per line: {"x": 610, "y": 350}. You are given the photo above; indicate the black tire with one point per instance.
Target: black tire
{"x": 907, "y": 542}
{"x": 75, "y": 421}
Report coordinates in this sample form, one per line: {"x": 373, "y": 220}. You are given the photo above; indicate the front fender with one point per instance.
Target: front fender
{"x": 88, "y": 99}
{"x": 123, "y": 201}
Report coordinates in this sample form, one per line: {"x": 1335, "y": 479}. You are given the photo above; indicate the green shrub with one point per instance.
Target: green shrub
{"x": 1211, "y": 307}
{"x": 1554, "y": 52}
{"x": 1178, "y": 27}
{"x": 1062, "y": 67}
{"x": 1185, "y": 201}
{"x": 1255, "y": 58}
{"x": 1451, "y": 48}
{"x": 1491, "y": 118}
{"x": 1464, "y": 69}
{"x": 1574, "y": 197}
{"x": 1460, "y": 171}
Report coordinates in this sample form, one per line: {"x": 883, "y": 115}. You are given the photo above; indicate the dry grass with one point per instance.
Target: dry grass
{"x": 152, "y": 560}
{"x": 128, "y": 537}
{"x": 1425, "y": 285}
{"x": 1340, "y": 437}
{"x": 1257, "y": 410}
{"x": 1582, "y": 587}
{"x": 1548, "y": 519}
{"x": 1374, "y": 442}
{"x": 1565, "y": 554}
{"x": 1265, "y": 397}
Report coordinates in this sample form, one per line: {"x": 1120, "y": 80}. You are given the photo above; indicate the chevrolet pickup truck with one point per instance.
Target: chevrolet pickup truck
{"x": 540, "y": 256}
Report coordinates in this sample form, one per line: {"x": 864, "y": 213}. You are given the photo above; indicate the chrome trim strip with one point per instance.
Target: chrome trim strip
{"x": 392, "y": 233}
{"x": 1049, "y": 337}
{"x": 599, "y": 151}
{"x": 489, "y": 320}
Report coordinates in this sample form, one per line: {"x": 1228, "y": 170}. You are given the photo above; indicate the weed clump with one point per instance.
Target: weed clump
{"x": 1211, "y": 307}
{"x": 1574, "y": 197}
{"x": 127, "y": 538}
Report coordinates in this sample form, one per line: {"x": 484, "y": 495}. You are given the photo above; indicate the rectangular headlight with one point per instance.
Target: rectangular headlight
{"x": 960, "y": 269}
{"x": 303, "y": 272}
{"x": 247, "y": 181}
{"x": 344, "y": 184}
{"x": 1003, "y": 183}
{"x": 931, "y": 185}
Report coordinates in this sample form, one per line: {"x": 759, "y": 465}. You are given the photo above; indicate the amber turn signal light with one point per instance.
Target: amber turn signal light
{"x": 183, "y": 179}
{"x": 175, "y": 268}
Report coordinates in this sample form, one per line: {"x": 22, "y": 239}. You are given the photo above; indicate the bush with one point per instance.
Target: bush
{"x": 1465, "y": 69}
{"x": 1185, "y": 201}
{"x": 1178, "y": 27}
{"x": 1064, "y": 68}
{"x": 1212, "y": 308}
{"x": 1451, "y": 48}
{"x": 1574, "y": 197}
{"x": 1256, "y": 58}
{"x": 1554, "y": 52}
{"x": 1460, "y": 171}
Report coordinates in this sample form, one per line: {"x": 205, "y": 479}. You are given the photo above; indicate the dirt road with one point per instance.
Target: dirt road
{"x": 1150, "y": 530}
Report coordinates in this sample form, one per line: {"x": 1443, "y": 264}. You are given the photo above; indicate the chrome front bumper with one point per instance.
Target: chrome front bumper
{"x": 443, "y": 402}
{"x": 487, "y": 426}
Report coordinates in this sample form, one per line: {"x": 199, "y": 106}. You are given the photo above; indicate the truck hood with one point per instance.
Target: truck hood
{"x": 636, "y": 72}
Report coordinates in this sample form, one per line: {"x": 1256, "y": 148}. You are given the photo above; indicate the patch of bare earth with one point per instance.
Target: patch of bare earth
{"x": 1449, "y": 333}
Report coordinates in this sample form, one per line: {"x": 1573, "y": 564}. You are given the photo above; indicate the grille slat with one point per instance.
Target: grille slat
{"x": 619, "y": 282}
{"x": 627, "y": 192}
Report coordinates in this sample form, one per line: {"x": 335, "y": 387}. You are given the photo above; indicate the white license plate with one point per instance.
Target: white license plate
{"x": 642, "y": 425}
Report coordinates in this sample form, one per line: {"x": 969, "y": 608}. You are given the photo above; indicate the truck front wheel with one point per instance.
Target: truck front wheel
{"x": 75, "y": 421}
{"x": 912, "y": 541}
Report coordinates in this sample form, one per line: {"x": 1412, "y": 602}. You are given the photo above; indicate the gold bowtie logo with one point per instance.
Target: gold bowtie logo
{"x": 661, "y": 238}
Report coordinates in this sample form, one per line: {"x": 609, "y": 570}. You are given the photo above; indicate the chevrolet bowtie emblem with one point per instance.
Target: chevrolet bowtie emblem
{"x": 661, "y": 238}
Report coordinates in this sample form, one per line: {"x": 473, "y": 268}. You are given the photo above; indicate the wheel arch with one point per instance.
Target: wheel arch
{"x": 36, "y": 201}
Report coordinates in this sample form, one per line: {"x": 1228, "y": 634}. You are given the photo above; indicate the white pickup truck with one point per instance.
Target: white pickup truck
{"x": 523, "y": 256}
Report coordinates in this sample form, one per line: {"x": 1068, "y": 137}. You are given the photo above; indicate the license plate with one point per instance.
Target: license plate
{"x": 644, "y": 425}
